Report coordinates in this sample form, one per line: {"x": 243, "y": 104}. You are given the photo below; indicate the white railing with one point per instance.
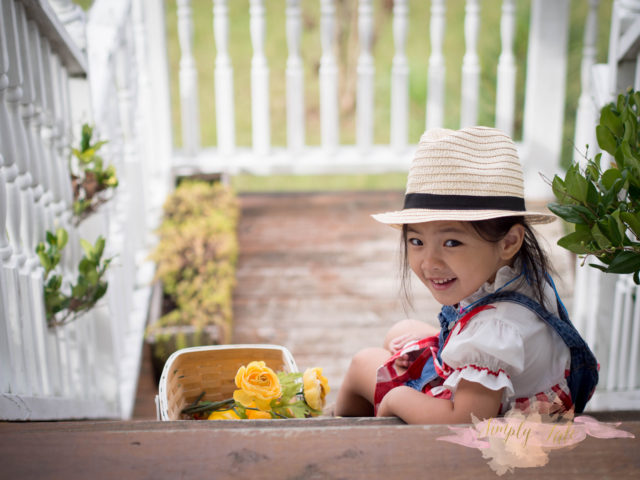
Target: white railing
{"x": 89, "y": 367}
{"x": 607, "y": 307}
{"x": 543, "y": 112}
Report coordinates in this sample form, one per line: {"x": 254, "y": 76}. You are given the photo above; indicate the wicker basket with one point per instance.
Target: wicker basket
{"x": 190, "y": 371}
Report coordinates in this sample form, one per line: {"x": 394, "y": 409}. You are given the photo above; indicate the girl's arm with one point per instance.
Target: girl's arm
{"x": 416, "y": 407}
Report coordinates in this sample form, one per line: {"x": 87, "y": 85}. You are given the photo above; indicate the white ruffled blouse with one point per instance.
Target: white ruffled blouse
{"x": 508, "y": 347}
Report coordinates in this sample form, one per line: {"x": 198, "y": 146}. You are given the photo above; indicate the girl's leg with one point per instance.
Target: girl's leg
{"x": 355, "y": 398}
{"x": 414, "y": 328}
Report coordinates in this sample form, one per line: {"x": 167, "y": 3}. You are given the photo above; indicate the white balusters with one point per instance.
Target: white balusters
{"x": 400, "y": 78}
{"x": 223, "y": 77}
{"x": 295, "y": 79}
{"x": 587, "y": 112}
{"x": 5, "y": 248}
{"x": 544, "y": 94}
{"x": 34, "y": 326}
{"x": 39, "y": 122}
{"x": 260, "y": 124}
{"x": 13, "y": 147}
{"x": 329, "y": 115}
{"x": 188, "y": 81}
{"x": 506, "y": 81}
{"x": 5, "y": 352}
{"x": 365, "y": 71}
{"x": 436, "y": 72}
{"x": 470, "y": 66}
{"x": 49, "y": 131}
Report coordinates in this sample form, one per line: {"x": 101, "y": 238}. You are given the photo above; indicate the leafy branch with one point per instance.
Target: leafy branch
{"x": 90, "y": 285}
{"x": 604, "y": 205}
{"x": 91, "y": 179}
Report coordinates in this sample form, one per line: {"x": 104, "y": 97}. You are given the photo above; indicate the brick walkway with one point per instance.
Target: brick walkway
{"x": 319, "y": 276}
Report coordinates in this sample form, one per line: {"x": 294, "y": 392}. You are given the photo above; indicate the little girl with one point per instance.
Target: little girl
{"x": 505, "y": 339}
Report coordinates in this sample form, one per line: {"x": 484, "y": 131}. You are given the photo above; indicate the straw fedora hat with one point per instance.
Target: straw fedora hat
{"x": 466, "y": 175}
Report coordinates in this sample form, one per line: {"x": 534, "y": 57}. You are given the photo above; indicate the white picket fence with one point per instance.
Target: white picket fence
{"x": 59, "y": 70}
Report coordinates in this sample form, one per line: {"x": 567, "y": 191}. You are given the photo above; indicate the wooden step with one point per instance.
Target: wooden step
{"x": 322, "y": 448}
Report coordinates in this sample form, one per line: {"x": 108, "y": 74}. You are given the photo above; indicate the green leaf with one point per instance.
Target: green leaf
{"x": 593, "y": 196}
{"x": 61, "y": 238}
{"x": 87, "y": 247}
{"x": 51, "y": 238}
{"x": 615, "y": 230}
{"x": 77, "y": 291}
{"x": 606, "y": 140}
{"x": 612, "y": 121}
{"x": 98, "y": 249}
{"x": 602, "y": 241}
{"x": 625, "y": 262}
{"x": 633, "y": 221}
{"x": 558, "y": 188}
{"x": 576, "y": 184}
{"x": 571, "y": 213}
{"x": 576, "y": 242}
{"x": 610, "y": 177}
{"x": 85, "y": 266}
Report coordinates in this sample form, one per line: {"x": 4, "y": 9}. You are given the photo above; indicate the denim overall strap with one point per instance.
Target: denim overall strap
{"x": 447, "y": 318}
{"x": 583, "y": 372}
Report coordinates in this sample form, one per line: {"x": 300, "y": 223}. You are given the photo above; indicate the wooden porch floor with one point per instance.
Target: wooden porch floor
{"x": 318, "y": 275}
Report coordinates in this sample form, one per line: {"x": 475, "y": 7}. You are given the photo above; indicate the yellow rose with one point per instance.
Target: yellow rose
{"x": 257, "y": 383}
{"x": 257, "y": 414}
{"x": 224, "y": 415}
{"x": 315, "y": 388}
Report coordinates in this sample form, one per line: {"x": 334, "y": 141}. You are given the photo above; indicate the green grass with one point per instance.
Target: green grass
{"x": 245, "y": 183}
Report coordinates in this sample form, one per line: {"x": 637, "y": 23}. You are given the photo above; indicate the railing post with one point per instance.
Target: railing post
{"x": 436, "y": 72}
{"x": 36, "y": 325}
{"x": 470, "y": 66}
{"x": 587, "y": 114}
{"x": 223, "y": 78}
{"x": 545, "y": 94}
{"x": 506, "y": 81}
{"x": 260, "y": 124}
{"x": 188, "y": 81}
{"x": 400, "y": 78}
{"x": 329, "y": 115}
{"x": 5, "y": 251}
{"x": 6, "y": 361}
{"x": 365, "y": 72}
{"x": 295, "y": 80}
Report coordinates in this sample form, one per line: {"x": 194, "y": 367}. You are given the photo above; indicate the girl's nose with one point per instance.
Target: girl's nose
{"x": 431, "y": 261}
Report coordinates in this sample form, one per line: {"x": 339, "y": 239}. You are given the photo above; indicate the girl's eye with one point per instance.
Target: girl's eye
{"x": 415, "y": 242}
{"x": 452, "y": 243}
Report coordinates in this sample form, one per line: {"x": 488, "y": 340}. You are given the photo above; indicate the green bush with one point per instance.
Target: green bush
{"x": 196, "y": 258}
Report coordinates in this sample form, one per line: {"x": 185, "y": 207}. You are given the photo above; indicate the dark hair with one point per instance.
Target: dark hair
{"x": 534, "y": 260}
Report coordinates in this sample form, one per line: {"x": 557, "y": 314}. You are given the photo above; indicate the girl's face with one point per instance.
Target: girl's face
{"x": 452, "y": 260}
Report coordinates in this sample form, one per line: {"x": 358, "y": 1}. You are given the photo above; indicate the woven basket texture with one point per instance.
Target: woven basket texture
{"x": 212, "y": 370}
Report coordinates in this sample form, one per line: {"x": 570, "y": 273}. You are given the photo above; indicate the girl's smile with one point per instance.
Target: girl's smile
{"x": 452, "y": 260}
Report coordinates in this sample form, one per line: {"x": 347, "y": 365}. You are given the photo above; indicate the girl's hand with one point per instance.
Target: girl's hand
{"x": 398, "y": 344}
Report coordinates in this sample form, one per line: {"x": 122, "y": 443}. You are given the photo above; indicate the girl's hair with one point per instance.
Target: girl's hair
{"x": 534, "y": 260}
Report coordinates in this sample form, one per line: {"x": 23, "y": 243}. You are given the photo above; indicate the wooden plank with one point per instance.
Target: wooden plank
{"x": 280, "y": 449}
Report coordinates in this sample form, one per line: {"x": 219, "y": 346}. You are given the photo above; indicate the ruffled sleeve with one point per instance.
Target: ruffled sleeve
{"x": 487, "y": 351}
